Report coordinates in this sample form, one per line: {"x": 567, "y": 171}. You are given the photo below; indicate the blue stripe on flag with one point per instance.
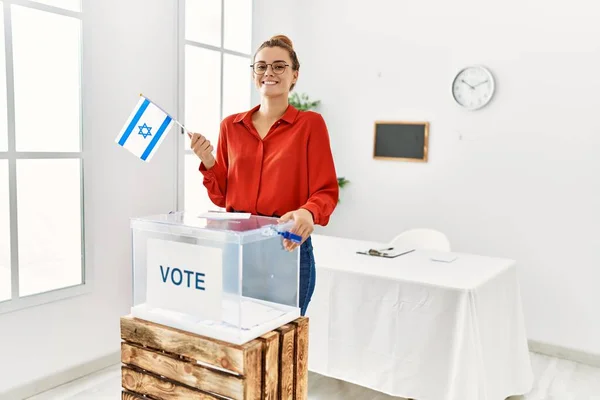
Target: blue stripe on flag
{"x": 156, "y": 138}
{"x": 134, "y": 122}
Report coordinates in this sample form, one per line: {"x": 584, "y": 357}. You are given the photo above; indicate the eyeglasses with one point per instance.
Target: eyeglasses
{"x": 277, "y": 67}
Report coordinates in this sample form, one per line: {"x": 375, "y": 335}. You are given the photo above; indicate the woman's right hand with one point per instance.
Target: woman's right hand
{"x": 203, "y": 149}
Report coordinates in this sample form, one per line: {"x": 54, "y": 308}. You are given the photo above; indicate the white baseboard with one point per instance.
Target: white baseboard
{"x": 62, "y": 377}
{"x": 565, "y": 353}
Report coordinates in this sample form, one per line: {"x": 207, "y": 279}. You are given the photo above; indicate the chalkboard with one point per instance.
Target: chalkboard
{"x": 401, "y": 140}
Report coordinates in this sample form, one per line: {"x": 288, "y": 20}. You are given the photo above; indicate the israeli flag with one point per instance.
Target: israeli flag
{"x": 145, "y": 129}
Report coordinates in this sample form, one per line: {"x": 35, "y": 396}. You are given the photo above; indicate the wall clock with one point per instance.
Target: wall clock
{"x": 473, "y": 87}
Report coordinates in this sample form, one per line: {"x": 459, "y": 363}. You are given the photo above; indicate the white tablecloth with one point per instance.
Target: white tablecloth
{"x": 418, "y": 328}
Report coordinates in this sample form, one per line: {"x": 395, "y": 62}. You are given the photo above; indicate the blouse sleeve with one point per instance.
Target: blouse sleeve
{"x": 322, "y": 178}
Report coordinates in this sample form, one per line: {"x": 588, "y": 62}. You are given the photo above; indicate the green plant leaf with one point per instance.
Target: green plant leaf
{"x": 342, "y": 181}
{"x": 302, "y": 101}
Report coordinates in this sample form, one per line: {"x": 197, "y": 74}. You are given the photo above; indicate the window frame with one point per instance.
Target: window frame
{"x": 17, "y": 302}
{"x": 182, "y": 42}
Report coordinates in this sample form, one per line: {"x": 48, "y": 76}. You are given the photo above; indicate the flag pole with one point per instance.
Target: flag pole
{"x": 163, "y": 110}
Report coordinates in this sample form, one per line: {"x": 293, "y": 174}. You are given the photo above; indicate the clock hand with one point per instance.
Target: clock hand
{"x": 481, "y": 83}
{"x": 463, "y": 81}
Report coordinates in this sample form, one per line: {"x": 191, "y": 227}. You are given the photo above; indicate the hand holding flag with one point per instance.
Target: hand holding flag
{"x": 203, "y": 149}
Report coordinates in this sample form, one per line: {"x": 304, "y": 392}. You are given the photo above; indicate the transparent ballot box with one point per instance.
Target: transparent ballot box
{"x": 228, "y": 279}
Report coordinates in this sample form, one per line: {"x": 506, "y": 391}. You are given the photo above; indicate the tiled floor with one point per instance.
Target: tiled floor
{"x": 555, "y": 379}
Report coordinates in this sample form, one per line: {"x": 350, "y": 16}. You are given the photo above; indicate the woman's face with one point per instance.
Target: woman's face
{"x": 272, "y": 72}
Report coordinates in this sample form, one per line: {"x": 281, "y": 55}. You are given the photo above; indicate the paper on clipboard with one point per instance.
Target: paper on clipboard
{"x": 390, "y": 252}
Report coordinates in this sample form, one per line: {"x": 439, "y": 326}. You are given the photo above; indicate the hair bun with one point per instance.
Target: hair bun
{"x": 284, "y": 39}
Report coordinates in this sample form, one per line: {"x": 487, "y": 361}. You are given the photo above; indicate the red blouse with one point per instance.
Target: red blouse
{"x": 291, "y": 168}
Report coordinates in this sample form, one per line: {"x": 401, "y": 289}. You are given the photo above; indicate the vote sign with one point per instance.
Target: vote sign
{"x": 184, "y": 277}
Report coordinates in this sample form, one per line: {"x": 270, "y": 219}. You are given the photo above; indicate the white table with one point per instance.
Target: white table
{"x": 418, "y": 328}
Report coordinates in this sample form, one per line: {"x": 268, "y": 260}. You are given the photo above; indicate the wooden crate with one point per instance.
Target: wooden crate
{"x": 162, "y": 363}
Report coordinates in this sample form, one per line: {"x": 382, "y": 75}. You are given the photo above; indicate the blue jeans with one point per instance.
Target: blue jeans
{"x": 308, "y": 275}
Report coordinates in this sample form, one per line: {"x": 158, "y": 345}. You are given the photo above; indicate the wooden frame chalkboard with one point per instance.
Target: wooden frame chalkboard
{"x": 401, "y": 140}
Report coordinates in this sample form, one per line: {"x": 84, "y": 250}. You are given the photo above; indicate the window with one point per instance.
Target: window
{"x": 41, "y": 156}
{"x": 215, "y": 80}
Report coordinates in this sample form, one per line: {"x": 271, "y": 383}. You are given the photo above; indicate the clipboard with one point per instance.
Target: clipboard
{"x": 390, "y": 252}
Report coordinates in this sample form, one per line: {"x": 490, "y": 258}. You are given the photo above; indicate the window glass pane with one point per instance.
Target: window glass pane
{"x": 3, "y": 106}
{"x": 195, "y": 197}
{"x": 238, "y": 25}
{"x": 49, "y": 224}
{"x": 46, "y": 69}
{"x": 202, "y": 92}
{"x": 203, "y": 21}
{"x": 237, "y": 81}
{"x": 5, "y": 292}
{"x": 73, "y": 5}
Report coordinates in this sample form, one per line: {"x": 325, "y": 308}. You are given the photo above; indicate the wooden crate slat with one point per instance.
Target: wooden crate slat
{"x": 270, "y": 361}
{"x": 301, "y": 359}
{"x": 147, "y": 384}
{"x": 213, "y": 352}
{"x": 286, "y": 361}
{"x": 254, "y": 371}
{"x": 125, "y": 395}
{"x": 185, "y": 372}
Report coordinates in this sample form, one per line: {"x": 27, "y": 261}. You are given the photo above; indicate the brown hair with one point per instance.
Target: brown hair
{"x": 285, "y": 43}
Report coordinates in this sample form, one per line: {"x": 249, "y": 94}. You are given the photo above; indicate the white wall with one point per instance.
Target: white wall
{"x": 523, "y": 180}
{"x": 130, "y": 48}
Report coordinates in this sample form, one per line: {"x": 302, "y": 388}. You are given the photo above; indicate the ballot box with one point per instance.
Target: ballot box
{"x": 218, "y": 275}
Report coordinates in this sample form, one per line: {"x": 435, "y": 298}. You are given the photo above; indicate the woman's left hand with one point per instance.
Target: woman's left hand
{"x": 304, "y": 226}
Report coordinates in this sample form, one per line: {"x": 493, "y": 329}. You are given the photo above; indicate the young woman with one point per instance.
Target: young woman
{"x": 274, "y": 159}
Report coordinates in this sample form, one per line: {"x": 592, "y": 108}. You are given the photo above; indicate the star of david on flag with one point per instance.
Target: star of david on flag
{"x": 145, "y": 129}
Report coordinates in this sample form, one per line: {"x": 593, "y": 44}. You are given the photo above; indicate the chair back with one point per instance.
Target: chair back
{"x": 422, "y": 238}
